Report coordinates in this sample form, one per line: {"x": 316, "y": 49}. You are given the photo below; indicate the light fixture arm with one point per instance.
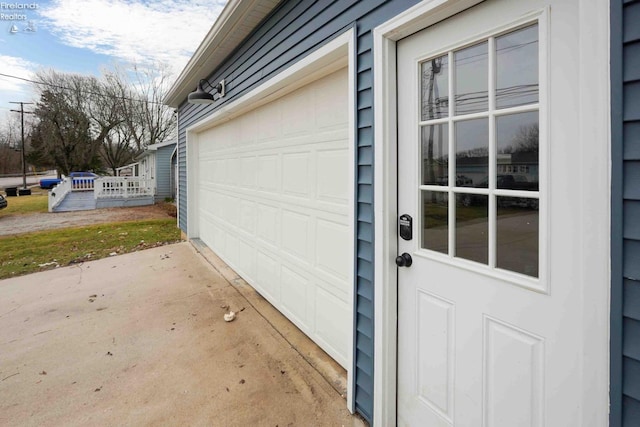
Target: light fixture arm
{"x": 219, "y": 88}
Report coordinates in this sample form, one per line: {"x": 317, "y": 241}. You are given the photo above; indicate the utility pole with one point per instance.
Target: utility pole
{"x": 24, "y": 162}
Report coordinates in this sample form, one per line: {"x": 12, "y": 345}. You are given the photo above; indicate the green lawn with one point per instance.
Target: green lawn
{"x": 44, "y": 250}
{"x": 37, "y": 202}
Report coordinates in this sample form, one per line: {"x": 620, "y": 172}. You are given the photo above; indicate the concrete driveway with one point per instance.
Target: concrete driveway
{"x": 139, "y": 339}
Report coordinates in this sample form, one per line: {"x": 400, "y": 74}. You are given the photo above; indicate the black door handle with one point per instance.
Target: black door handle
{"x": 404, "y": 260}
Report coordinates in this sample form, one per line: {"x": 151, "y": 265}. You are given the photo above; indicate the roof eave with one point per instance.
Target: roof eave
{"x": 236, "y": 21}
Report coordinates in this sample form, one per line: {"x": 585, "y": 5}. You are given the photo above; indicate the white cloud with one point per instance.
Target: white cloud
{"x": 12, "y": 89}
{"x": 18, "y": 67}
{"x": 139, "y": 31}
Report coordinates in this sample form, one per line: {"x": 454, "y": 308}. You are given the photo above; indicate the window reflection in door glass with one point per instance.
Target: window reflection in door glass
{"x": 471, "y": 71}
{"x": 435, "y": 88}
{"x": 517, "y": 158}
{"x": 435, "y": 154}
{"x": 517, "y": 67}
{"x": 472, "y": 153}
{"x": 517, "y": 235}
{"x": 472, "y": 229}
{"x": 435, "y": 220}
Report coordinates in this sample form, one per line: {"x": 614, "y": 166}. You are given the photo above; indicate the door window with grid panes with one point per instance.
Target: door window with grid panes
{"x": 479, "y": 152}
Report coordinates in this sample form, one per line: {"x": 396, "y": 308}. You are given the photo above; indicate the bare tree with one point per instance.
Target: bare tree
{"x": 10, "y": 160}
{"x": 117, "y": 149}
{"x": 146, "y": 119}
{"x": 527, "y": 138}
{"x": 76, "y": 113}
{"x": 86, "y": 122}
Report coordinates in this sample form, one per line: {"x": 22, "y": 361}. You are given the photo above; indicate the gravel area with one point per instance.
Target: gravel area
{"x": 25, "y": 223}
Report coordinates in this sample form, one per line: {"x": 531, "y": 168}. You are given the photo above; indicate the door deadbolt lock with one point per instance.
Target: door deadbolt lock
{"x": 404, "y": 260}
{"x": 405, "y": 226}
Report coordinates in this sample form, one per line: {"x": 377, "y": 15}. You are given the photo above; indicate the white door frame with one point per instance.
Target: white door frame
{"x": 331, "y": 57}
{"x": 594, "y": 261}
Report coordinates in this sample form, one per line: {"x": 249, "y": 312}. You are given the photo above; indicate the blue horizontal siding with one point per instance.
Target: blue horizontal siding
{"x": 163, "y": 172}
{"x": 631, "y": 346}
{"x": 631, "y": 29}
{"x": 632, "y": 62}
{"x": 632, "y": 178}
{"x": 631, "y": 259}
{"x": 631, "y": 413}
{"x": 631, "y": 378}
{"x": 631, "y": 307}
{"x": 632, "y": 100}
{"x": 631, "y": 136}
{"x": 631, "y": 223}
{"x": 625, "y": 202}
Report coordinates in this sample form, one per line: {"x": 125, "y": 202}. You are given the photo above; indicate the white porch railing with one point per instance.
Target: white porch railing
{"x": 58, "y": 193}
{"x": 82, "y": 184}
{"x": 110, "y": 187}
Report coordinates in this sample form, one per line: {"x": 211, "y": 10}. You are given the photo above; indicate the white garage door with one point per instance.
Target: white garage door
{"x": 274, "y": 203}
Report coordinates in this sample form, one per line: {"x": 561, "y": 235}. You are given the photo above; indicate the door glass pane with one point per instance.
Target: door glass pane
{"x": 472, "y": 228}
{"x": 435, "y": 154}
{"x": 435, "y": 220}
{"x": 517, "y": 157}
{"x": 517, "y": 67}
{"x": 471, "y": 71}
{"x": 472, "y": 153}
{"x": 517, "y": 235}
{"x": 435, "y": 88}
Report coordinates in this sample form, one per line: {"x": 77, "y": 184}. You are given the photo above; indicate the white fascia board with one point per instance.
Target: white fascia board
{"x": 160, "y": 145}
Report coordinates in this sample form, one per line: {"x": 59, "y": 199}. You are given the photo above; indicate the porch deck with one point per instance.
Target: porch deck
{"x": 105, "y": 192}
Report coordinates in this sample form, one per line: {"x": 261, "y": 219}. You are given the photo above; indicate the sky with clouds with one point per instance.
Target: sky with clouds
{"x": 84, "y": 36}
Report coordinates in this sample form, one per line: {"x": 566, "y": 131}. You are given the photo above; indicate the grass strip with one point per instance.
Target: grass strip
{"x": 36, "y": 203}
{"x": 44, "y": 250}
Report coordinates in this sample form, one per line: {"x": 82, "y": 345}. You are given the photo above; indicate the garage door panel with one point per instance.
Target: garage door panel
{"x": 248, "y": 172}
{"x": 332, "y": 179}
{"x": 269, "y": 172}
{"x": 332, "y": 319}
{"x": 299, "y": 117}
{"x": 295, "y": 235}
{"x": 328, "y": 114}
{"x": 297, "y": 173}
{"x": 246, "y": 259}
{"x": 274, "y": 204}
{"x": 268, "y": 275}
{"x": 332, "y": 256}
{"x": 269, "y": 120}
{"x": 268, "y": 229}
{"x": 248, "y": 216}
{"x": 295, "y": 288}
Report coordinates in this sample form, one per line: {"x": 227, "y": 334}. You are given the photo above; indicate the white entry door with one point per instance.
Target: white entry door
{"x": 490, "y": 308}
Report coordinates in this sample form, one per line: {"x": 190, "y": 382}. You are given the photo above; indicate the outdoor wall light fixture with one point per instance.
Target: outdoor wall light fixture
{"x": 200, "y": 96}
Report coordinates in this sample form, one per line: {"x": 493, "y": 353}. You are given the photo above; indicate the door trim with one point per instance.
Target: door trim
{"x": 594, "y": 263}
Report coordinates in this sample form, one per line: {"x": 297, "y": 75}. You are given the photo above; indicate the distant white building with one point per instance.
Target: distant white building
{"x": 158, "y": 164}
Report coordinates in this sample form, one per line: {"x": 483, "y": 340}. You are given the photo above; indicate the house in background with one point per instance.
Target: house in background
{"x": 306, "y": 174}
{"x": 157, "y": 165}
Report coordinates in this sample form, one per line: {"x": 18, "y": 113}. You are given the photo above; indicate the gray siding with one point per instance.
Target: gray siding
{"x": 625, "y": 292}
{"x": 163, "y": 172}
{"x": 292, "y": 31}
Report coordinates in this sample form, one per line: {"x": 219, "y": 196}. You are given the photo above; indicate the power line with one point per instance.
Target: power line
{"x": 89, "y": 92}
